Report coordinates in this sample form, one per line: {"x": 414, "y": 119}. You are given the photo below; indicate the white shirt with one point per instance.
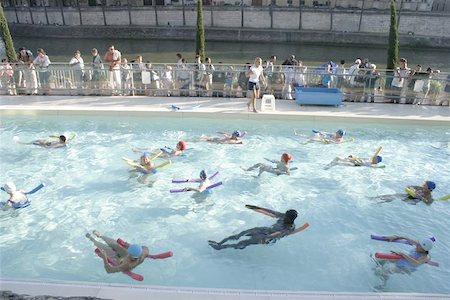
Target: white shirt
{"x": 398, "y": 80}
{"x": 42, "y": 61}
{"x": 255, "y": 73}
{"x": 77, "y": 63}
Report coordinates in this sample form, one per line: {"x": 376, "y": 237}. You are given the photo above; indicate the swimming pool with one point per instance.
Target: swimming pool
{"x": 88, "y": 187}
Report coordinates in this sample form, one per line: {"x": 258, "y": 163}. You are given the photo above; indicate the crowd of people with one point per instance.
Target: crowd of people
{"x": 114, "y": 74}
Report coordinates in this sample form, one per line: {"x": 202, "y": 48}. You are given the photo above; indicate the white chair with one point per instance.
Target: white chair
{"x": 268, "y": 103}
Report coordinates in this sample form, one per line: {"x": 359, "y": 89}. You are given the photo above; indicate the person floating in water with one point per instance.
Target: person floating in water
{"x": 411, "y": 260}
{"x": 282, "y": 166}
{"x": 329, "y": 137}
{"x": 204, "y": 183}
{"x": 355, "y": 161}
{"x": 180, "y": 148}
{"x": 234, "y": 138}
{"x": 127, "y": 257}
{"x": 262, "y": 235}
{"x": 414, "y": 194}
{"x": 61, "y": 142}
{"x": 16, "y": 198}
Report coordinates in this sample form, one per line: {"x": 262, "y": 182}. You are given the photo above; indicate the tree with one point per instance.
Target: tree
{"x": 200, "y": 34}
{"x": 6, "y": 35}
{"x": 392, "y": 51}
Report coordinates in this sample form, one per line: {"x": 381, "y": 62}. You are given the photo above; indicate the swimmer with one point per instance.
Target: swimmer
{"x": 62, "y": 142}
{"x": 355, "y": 161}
{"x": 16, "y": 197}
{"x": 410, "y": 261}
{"x": 329, "y": 137}
{"x": 261, "y": 235}
{"x": 167, "y": 151}
{"x": 179, "y": 150}
{"x": 234, "y": 138}
{"x": 146, "y": 163}
{"x": 128, "y": 256}
{"x": 204, "y": 183}
{"x": 418, "y": 194}
{"x": 282, "y": 166}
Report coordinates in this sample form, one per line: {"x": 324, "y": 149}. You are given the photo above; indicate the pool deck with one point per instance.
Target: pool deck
{"x": 227, "y": 107}
{"x": 207, "y": 108}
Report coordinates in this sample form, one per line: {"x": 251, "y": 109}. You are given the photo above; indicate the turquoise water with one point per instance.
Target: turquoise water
{"x": 88, "y": 187}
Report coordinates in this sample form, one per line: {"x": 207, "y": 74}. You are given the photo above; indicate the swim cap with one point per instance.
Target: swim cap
{"x": 341, "y": 132}
{"x": 135, "y": 250}
{"x": 431, "y": 185}
{"x": 203, "y": 175}
{"x": 62, "y": 138}
{"x": 9, "y": 187}
{"x": 237, "y": 133}
{"x": 291, "y": 215}
{"x": 426, "y": 244}
{"x": 181, "y": 145}
{"x": 146, "y": 154}
{"x": 286, "y": 157}
{"x": 379, "y": 159}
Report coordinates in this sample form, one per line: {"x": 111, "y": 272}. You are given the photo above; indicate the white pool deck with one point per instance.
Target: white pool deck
{"x": 226, "y": 107}
{"x": 207, "y": 108}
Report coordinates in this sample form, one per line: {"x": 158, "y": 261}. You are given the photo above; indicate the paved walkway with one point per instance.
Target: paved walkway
{"x": 228, "y": 107}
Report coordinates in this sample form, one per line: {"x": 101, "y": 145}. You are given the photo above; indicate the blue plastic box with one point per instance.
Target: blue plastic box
{"x": 318, "y": 96}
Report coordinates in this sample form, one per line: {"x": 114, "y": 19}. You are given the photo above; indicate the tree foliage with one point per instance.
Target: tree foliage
{"x": 392, "y": 50}
{"x": 200, "y": 34}
{"x": 6, "y": 35}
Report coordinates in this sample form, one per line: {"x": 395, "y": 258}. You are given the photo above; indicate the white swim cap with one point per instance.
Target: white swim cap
{"x": 9, "y": 187}
{"x": 426, "y": 244}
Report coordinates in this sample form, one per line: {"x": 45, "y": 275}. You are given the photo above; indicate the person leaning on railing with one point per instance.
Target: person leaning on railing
{"x": 43, "y": 62}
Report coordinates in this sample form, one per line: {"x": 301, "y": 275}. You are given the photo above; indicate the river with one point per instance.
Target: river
{"x": 164, "y": 51}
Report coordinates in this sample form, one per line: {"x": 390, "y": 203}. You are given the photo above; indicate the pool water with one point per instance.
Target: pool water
{"x": 88, "y": 186}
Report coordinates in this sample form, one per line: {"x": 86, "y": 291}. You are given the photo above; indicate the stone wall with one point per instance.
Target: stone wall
{"x": 260, "y": 21}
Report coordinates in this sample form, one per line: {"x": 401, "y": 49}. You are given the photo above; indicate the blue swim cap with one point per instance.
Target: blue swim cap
{"x": 145, "y": 153}
{"x": 431, "y": 185}
{"x": 341, "y": 132}
{"x": 237, "y": 133}
{"x": 135, "y": 250}
{"x": 379, "y": 159}
{"x": 203, "y": 175}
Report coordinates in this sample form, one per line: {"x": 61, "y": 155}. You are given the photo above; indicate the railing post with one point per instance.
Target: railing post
{"x": 103, "y": 11}
{"x": 361, "y": 16}
{"x": 184, "y": 17}
{"x": 31, "y": 13}
{"x": 242, "y": 13}
{"x": 129, "y": 13}
{"x": 79, "y": 12}
{"x": 300, "y": 14}
{"x": 62, "y": 12}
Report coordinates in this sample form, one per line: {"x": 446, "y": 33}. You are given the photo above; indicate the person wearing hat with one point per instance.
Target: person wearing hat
{"x": 355, "y": 161}
{"x": 179, "y": 150}
{"x": 282, "y": 166}
{"x": 127, "y": 257}
{"x": 421, "y": 192}
{"x": 261, "y": 235}
{"x": 16, "y": 197}
{"x": 414, "y": 194}
{"x": 329, "y": 137}
{"x": 416, "y": 257}
{"x": 204, "y": 183}
{"x": 62, "y": 142}
{"x": 233, "y": 138}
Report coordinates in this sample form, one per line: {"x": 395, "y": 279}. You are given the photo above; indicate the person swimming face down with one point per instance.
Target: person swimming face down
{"x": 286, "y": 157}
{"x": 62, "y": 139}
{"x": 181, "y": 146}
{"x": 289, "y": 217}
{"x": 236, "y": 134}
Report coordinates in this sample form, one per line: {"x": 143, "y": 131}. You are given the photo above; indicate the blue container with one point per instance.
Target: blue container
{"x": 318, "y": 96}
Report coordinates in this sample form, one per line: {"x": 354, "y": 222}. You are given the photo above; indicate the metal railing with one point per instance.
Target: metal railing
{"x": 223, "y": 81}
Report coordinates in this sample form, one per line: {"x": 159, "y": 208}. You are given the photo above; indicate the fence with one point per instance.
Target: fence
{"x": 222, "y": 81}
